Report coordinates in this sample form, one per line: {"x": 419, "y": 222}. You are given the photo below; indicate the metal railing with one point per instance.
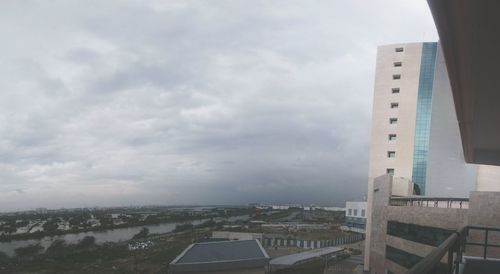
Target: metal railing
{"x": 454, "y": 247}
{"x": 443, "y": 202}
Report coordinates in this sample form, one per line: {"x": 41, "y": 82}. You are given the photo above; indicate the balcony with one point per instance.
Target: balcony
{"x": 451, "y": 256}
{"x": 420, "y": 201}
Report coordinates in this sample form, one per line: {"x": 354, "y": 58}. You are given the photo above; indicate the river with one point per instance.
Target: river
{"x": 113, "y": 235}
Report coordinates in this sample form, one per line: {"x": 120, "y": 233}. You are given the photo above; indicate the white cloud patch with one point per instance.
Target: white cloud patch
{"x": 176, "y": 102}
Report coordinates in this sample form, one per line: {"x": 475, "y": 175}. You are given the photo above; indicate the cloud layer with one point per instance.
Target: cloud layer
{"x": 184, "y": 102}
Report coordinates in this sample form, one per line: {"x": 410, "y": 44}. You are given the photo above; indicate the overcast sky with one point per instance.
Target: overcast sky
{"x": 191, "y": 102}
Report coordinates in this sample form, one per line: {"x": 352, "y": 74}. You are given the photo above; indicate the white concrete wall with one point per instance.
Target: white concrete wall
{"x": 447, "y": 173}
{"x": 402, "y": 187}
{"x": 358, "y": 206}
{"x": 406, "y": 114}
{"x": 488, "y": 178}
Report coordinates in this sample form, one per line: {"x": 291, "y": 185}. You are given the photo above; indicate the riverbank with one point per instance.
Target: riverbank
{"x": 113, "y": 235}
{"x": 106, "y": 257}
{"x": 42, "y": 234}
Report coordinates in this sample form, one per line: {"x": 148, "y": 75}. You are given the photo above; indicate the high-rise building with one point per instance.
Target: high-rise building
{"x": 414, "y": 123}
{"x": 446, "y": 110}
{"x": 415, "y": 134}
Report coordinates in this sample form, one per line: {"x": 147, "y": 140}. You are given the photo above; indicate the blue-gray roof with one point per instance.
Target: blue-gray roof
{"x": 221, "y": 255}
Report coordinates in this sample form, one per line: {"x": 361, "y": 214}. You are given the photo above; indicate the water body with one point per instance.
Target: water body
{"x": 113, "y": 235}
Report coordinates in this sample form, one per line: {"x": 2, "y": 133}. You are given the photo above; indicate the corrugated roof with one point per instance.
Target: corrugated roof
{"x": 303, "y": 256}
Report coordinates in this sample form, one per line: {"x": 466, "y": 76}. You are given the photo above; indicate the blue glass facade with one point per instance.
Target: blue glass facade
{"x": 423, "y": 121}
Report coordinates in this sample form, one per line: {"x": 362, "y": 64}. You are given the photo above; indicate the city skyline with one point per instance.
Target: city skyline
{"x": 121, "y": 103}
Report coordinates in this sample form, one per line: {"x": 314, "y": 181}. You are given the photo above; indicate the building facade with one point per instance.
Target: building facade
{"x": 355, "y": 217}
{"x": 416, "y": 137}
{"x": 415, "y": 133}
{"x": 406, "y": 229}
{"x": 414, "y": 124}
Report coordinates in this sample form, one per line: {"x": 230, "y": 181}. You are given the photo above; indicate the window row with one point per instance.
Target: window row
{"x": 427, "y": 235}
{"x": 350, "y": 211}
{"x": 394, "y": 120}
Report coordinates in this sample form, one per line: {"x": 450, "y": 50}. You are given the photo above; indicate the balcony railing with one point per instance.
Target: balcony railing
{"x": 420, "y": 201}
{"x": 454, "y": 247}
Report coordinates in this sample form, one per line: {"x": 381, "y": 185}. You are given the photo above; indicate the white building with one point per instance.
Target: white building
{"x": 355, "y": 217}
{"x": 415, "y": 132}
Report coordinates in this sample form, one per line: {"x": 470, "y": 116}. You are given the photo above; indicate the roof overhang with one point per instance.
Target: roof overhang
{"x": 469, "y": 33}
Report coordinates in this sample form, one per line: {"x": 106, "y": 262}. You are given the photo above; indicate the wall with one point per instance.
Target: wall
{"x": 406, "y": 114}
{"x": 402, "y": 187}
{"x": 488, "y": 178}
{"x": 359, "y": 206}
{"x": 484, "y": 211}
{"x": 377, "y": 238}
{"x": 376, "y": 227}
{"x": 236, "y": 235}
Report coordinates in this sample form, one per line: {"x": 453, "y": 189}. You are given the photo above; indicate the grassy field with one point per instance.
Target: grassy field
{"x": 106, "y": 258}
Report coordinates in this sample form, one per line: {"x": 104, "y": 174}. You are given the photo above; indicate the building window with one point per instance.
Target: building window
{"x": 395, "y": 90}
{"x": 427, "y": 235}
{"x": 398, "y": 64}
{"x": 363, "y": 212}
{"x": 355, "y": 212}
{"x": 350, "y": 212}
{"x": 401, "y": 257}
{"x": 399, "y": 49}
{"x": 394, "y": 105}
{"x": 390, "y": 171}
{"x": 396, "y": 76}
{"x": 393, "y": 121}
{"x": 392, "y": 137}
{"x": 391, "y": 154}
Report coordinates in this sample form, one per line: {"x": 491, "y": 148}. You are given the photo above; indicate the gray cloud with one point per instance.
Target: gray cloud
{"x": 175, "y": 102}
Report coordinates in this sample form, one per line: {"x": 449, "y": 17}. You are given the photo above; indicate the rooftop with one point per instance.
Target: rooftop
{"x": 302, "y": 257}
{"x": 222, "y": 255}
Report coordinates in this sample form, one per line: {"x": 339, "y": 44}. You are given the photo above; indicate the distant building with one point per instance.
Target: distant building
{"x": 227, "y": 257}
{"x": 41, "y": 210}
{"x": 355, "y": 217}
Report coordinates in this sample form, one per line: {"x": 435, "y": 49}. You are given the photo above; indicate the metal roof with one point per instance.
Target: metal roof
{"x": 297, "y": 258}
{"x": 221, "y": 255}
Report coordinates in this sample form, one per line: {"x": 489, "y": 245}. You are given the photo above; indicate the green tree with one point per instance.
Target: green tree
{"x": 86, "y": 242}
{"x": 57, "y": 249}
{"x": 183, "y": 227}
{"x": 4, "y": 259}
{"x": 28, "y": 251}
{"x": 142, "y": 234}
{"x": 50, "y": 226}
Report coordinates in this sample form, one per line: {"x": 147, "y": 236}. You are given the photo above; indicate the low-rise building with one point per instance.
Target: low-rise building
{"x": 226, "y": 257}
{"x": 355, "y": 217}
{"x": 407, "y": 228}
